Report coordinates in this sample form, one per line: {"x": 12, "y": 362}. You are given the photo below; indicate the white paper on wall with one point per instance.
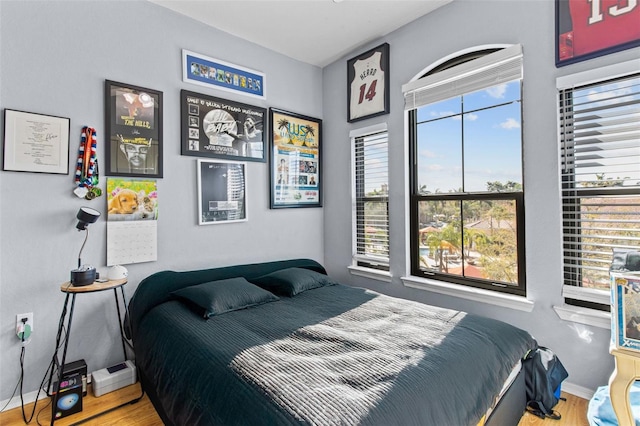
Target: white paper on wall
{"x": 132, "y": 242}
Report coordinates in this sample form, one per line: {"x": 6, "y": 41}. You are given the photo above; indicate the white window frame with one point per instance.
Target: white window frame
{"x": 355, "y": 268}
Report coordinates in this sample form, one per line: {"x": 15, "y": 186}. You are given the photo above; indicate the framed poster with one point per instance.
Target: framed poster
{"x": 625, "y": 310}
{"x": 214, "y": 73}
{"x": 35, "y": 142}
{"x": 588, "y": 29}
{"x": 133, "y": 131}
{"x": 221, "y": 192}
{"x": 214, "y": 127}
{"x": 295, "y": 160}
{"x": 368, "y": 84}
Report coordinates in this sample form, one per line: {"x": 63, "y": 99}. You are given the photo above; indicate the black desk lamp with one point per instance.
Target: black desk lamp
{"x": 84, "y": 275}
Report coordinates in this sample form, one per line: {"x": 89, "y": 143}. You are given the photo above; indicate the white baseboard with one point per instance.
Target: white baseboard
{"x": 576, "y": 390}
{"x": 27, "y": 397}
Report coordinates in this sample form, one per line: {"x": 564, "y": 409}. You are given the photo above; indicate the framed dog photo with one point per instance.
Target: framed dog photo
{"x": 133, "y": 131}
{"x": 368, "y": 84}
{"x": 221, "y": 192}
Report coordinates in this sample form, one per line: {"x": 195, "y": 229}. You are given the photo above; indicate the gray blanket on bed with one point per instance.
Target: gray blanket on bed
{"x": 330, "y": 356}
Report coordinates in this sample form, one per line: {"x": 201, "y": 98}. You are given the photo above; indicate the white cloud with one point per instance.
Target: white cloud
{"x": 427, "y": 154}
{"x": 441, "y": 113}
{"x": 607, "y": 95}
{"x": 497, "y": 91}
{"x": 435, "y": 167}
{"x": 471, "y": 117}
{"x": 509, "y": 124}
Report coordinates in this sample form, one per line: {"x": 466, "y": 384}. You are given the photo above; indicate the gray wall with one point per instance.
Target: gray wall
{"x": 55, "y": 57}
{"x": 457, "y": 26}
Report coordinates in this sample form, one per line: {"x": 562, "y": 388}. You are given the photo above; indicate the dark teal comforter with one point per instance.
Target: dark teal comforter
{"x": 335, "y": 355}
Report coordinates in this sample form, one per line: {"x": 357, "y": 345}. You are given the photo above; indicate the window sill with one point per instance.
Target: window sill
{"x": 476, "y": 294}
{"x": 374, "y": 274}
{"x": 585, "y": 316}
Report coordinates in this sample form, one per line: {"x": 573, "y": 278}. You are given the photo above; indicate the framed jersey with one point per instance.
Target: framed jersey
{"x": 368, "y": 84}
{"x": 587, "y": 29}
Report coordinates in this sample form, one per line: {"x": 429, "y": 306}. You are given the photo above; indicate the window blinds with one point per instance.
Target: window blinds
{"x": 490, "y": 70}
{"x": 600, "y": 160}
{"x": 372, "y": 198}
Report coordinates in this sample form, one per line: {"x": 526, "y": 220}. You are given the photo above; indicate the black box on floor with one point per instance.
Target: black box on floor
{"x": 69, "y": 398}
{"x": 75, "y": 367}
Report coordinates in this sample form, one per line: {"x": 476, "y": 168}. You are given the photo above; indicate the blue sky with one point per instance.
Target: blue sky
{"x": 492, "y": 140}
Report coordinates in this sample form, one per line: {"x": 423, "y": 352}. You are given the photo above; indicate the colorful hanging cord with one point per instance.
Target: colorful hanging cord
{"x": 87, "y": 164}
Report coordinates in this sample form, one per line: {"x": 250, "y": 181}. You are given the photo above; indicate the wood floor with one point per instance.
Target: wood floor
{"x": 573, "y": 411}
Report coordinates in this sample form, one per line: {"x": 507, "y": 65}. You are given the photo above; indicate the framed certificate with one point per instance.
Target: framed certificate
{"x": 36, "y": 142}
{"x": 588, "y": 29}
{"x": 368, "y": 84}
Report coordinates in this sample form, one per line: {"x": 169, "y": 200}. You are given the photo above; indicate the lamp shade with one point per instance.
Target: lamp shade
{"x": 85, "y": 216}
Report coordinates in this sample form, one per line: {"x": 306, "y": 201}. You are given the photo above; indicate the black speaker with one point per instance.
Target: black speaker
{"x": 69, "y": 398}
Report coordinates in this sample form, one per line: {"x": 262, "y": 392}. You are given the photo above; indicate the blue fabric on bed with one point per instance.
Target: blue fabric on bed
{"x": 452, "y": 381}
{"x": 221, "y": 296}
{"x": 291, "y": 281}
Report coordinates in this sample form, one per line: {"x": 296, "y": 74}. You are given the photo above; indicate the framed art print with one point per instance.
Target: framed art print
{"x": 221, "y": 192}
{"x": 588, "y": 29}
{"x": 214, "y": 73}
{"x": 215, "y": 127}
{"x": 133, "y": 131}
{"x": 625, "y": 310}
{"x": 35, "y": 142}
{"x": 295, "y": 160}
{"x": 368, "y": 84}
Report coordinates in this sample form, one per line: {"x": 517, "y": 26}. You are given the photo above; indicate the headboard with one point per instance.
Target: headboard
{"x": 156, "y": 289}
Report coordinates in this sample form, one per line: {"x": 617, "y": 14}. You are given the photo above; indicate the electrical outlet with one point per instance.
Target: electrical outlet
{"x": 24, "y": 328}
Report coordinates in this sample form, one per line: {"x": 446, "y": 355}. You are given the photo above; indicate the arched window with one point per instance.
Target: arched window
{"x": 466, "y": 180}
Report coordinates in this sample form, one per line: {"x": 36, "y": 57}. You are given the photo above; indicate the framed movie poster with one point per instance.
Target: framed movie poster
{"x": 295, "y": 160}
{"x": 35, "y": 142}
{"x": 133, "y": 131}
{"x": 221, "y": 192}
{"x": 214, "y": 127}
{"x": 588, "y": 29}
{"x": 368, "y": 84}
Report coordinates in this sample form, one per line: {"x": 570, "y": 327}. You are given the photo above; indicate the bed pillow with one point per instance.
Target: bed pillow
{"x": 291, "y": 281}
{"x": 217, "y": 297}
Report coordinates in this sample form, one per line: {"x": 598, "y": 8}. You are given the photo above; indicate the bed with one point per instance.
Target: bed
{"x": 280, "y": 343}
